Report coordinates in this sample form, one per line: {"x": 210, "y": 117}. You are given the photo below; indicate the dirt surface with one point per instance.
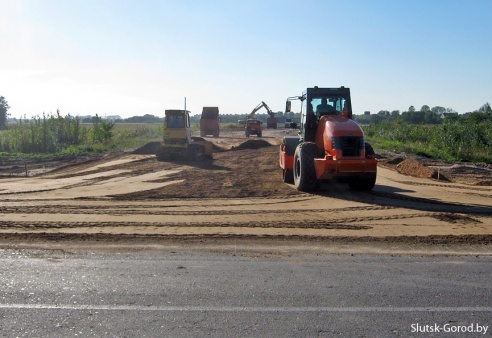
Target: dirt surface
{"x": 239, "y": 196}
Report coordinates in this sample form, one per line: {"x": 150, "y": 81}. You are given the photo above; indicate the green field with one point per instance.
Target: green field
{"x": 455, "y": 139}
{"x": 65, "y": 137}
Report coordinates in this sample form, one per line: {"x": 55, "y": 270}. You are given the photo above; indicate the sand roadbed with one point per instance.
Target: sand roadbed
{"x": 240, "y": 196}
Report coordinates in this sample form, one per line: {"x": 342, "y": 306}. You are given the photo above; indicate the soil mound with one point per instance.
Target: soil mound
{"x": 252, "y": 144}
{"x": 414, "y": 168}
{"x": 455, "y": 218}
{"x": 148, "y": 149}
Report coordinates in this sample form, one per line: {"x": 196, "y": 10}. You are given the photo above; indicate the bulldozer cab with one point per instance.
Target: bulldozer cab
{"x": 177, "y": 125}
{"x": 175, "y": 121}
{"x": 177, "y": 142}
{"x": 317, "y": 102}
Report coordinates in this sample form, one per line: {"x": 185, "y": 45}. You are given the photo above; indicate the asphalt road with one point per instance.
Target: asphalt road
{"x": 190, "y": 293}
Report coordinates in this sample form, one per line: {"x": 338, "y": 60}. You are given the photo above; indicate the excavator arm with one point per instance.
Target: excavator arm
{"x": 258, "y": 107}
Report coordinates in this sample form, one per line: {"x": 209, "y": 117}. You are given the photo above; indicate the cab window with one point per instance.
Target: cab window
{"x": 327, "y": 105}
{"x": 175, "y": 121}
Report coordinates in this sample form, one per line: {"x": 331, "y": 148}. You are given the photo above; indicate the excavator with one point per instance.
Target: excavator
{"x": 330, "y": 145}
{"x": 253, "y": 126}
{"x": 272, "y": 119}
{"x": 177, "y": 142}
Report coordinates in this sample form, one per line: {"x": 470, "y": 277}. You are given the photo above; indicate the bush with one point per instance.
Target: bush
{"x": 457, "y": 139}
{"x": 48, "y": 134}
{"x": 102, "y": 130}
{"x": 54, "y": 134}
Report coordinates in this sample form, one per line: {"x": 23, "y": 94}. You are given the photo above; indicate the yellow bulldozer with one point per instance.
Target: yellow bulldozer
{"x": 177, "y": 142}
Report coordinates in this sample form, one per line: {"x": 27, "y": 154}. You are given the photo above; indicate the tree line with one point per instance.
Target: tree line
{"x": 438, "y": 132}
{"x": 466, "y": 137}
{"x": 426, "y": 115}
{"x": 53, "y": 133}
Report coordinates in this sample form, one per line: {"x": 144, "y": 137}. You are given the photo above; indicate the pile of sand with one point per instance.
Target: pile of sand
{"x": 414, "y": 168}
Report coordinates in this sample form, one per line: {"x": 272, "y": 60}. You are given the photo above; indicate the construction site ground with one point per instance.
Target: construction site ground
{"x": 239, "y": 199}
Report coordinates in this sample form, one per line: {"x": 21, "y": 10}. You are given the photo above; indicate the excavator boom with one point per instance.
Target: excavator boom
{"x": 258, "y": 107}
{"x": 272, "y": 120}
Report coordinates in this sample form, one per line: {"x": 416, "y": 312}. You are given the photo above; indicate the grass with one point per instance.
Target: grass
{"x": 454, "y": 140}
{"x": 49, "y": 137}
{"x": 54, "y": 136}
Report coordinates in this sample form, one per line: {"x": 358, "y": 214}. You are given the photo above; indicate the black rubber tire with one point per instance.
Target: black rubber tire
{"x": 259, "y": 134}
{"x": 288, "y": 176}
{"x": 364, "y": 184}
{"x": 304, "y": 172}
{"x": 369, "y": 149}
{"x": 291, "y": 144}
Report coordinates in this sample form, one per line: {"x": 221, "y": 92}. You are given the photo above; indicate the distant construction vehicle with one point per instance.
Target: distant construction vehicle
{"x": 330, "y": 146}
{"x": 209, "y": 122}
{"x": 177, "y": 142}
{"x": 272, "y": 120}
{"x": 289, "y": 123}
{"x": 252, "y": 126}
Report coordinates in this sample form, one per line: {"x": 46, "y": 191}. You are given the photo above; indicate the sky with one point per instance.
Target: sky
{"x": 129, "y": 57}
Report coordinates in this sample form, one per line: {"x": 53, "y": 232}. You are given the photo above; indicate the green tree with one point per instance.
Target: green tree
{"x": 485, "y": 108}
{"x": 147, "y": 118}
{"x": 438, "y": 110}
{"x": 425, "y": 108}
{"x": 4, "y": 107}
{"x": 101, "y": 131}
{"x": 451, "y": 111}
{"x": 431, "y": 117}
